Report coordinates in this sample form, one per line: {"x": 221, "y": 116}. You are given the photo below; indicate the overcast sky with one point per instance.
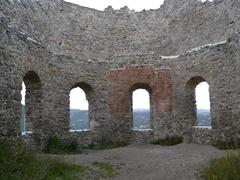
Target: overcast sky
{"x": 137, "y": 5}
{"x": 202, "y": 96}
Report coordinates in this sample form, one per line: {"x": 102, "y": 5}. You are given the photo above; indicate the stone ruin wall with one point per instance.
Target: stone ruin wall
{"x": 109, "y": 53}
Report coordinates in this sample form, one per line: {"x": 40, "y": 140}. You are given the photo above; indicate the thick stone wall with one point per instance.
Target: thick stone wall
{"x": 109, "y": 54}
{"x": 69, "y": 29}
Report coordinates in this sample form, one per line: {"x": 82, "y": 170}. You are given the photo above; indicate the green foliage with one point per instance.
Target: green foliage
{"x": 58, "y": 146}
{"x": 168, "y": 140}
{"x": 231, "y": 143}
{"x": 107, "y": 145}
{"x": 18, "y": 162}
{"x": 225, "y": 168}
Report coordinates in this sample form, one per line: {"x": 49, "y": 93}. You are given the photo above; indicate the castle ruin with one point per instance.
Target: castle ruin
{"x": 54, "y": 46}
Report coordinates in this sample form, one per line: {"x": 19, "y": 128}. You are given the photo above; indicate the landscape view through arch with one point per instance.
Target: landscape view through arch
{"x": 78, "y": 119}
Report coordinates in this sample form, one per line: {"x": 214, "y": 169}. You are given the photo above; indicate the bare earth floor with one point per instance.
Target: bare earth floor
{"x": 152, "y": 162}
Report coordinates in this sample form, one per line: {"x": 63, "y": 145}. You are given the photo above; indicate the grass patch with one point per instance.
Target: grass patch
{"x": 58, "y": 146}
{"x": 18, "y": 162}
{"x": 225, "y": 168}
{"x": 232, "y": 143}
{"x": 105, "y": 169}
{"x": 168, "y": 141}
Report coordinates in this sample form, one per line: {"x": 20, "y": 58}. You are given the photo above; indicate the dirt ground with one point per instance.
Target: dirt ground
{"x": 152, "y": 162}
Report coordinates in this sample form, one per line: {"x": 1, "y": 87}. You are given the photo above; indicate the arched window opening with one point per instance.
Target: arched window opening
{"x": 30, "y": 103}
{"x": 141, "y": 109}
{"x": 22, "y": 110}
{"x": 79, "y": 110}
{"x": 203, "y": 105}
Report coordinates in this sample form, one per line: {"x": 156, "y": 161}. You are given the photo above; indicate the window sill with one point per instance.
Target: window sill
{"x": 80, "y": 130}
{"x": 203, "y": 127}
{"x": 25, "y": 133}
{"x": 144, "y": 130}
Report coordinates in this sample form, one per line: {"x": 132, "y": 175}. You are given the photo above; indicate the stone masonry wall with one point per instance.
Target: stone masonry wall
{"x": 122, "y": 82}
{"x": 109, "y": 54}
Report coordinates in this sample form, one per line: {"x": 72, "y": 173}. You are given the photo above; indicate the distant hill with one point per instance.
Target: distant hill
{"x": 79, "y": 118}
{"x": 204, "y": 118}
{"x": 141, "y": 119}
{"x": 22, "y": 117}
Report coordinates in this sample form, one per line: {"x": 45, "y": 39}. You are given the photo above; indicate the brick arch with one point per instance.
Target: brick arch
{"x": 122, "y": 81}
{"x": 145, "y": 86}
{"x": 33, "y": 100}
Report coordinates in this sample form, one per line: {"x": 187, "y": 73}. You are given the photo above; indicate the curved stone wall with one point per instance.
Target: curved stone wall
{"x": 113, "y": 50}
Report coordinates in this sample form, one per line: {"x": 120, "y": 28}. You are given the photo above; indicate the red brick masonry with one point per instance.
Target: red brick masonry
{"x": 122, "y": 82}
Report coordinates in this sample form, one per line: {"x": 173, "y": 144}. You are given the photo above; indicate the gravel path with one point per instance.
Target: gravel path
{"x": 151, "y": 162}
